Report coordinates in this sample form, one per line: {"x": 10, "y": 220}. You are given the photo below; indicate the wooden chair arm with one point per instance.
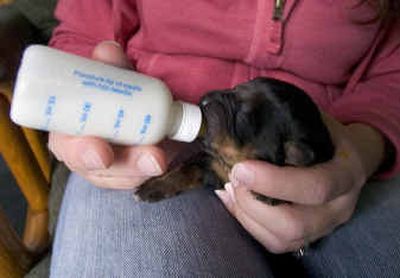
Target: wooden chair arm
{"x": 22, "y": 163}
{"x": 26, "y": 155}
{"x": 15, "y": 260}
{"x": 36, "y": 139}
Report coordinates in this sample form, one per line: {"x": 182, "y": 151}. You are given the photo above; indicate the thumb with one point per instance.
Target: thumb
{"x": 110, "y": 52}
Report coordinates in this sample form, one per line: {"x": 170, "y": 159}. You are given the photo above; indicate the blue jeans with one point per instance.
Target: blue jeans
{"x": 104, "y": 233}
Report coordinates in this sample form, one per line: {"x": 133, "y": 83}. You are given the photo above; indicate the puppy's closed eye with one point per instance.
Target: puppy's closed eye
{"x": 245, "y": 126}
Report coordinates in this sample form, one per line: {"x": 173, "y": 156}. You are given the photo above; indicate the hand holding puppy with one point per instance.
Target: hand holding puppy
{"x": 322, "y": 197}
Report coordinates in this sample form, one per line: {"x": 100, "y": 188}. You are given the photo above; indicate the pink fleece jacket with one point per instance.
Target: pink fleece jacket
{"x": 351, "y": 70}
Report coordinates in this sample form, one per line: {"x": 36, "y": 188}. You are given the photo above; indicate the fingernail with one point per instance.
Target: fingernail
{"x": 92, "y": 160}
{"x": 148, "y": 165}
{"x": 241, "y": 176}
{"x": 112, "y": 42}
{"x": 229, "y": 188}
{"x": 223, "y": 196}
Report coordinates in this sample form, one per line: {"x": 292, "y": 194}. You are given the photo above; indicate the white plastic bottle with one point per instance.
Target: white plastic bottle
{"x": 56, "y": 91}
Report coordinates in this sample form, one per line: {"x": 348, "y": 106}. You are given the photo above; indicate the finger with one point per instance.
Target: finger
{"x": 303, "y": 186}
{"x": 298, "y": 224}
{"x": 131, "y": 167}
{"x": 115, "y": 182}
{"x": 259, "y": 232}
{"x": 81, "y": 153}
{"x": 51, "y": 146}
{"x": 138, "y": 161}
{"x": 313, "y": 185}
{"x": 289, "y": 222}
{"x": 110, "y": 52}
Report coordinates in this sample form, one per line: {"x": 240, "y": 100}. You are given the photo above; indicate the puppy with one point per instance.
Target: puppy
{"x": 263, "y": 119}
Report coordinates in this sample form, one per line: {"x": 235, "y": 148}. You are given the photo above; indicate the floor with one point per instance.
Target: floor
{"x": 11, "y": 198}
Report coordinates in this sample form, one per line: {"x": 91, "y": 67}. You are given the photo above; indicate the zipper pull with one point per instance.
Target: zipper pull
{"x": 278, "y": 10}
{"x": 276, "y": 28}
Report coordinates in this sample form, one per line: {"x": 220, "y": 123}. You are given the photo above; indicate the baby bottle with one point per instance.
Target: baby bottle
{"x": 57, "y": 91}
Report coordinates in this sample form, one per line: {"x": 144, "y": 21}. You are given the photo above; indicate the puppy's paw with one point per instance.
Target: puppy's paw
{"x": 186, "y": 176}
{"x": 155, "y": 190}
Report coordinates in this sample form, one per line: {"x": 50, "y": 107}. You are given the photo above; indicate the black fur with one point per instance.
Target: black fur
{"x": 264, "y": 119}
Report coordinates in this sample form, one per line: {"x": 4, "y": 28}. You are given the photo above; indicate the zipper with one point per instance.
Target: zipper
{"x": 276, "y": 28}
{"x": 278, "y": 10}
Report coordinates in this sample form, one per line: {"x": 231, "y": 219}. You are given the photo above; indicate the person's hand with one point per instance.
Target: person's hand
{"x": 105, "y": 165}
{"x": 322, "y": 197}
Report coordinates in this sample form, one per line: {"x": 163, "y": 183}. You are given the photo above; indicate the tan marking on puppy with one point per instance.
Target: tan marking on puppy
{"x": 220, "y": 170}
{"x": 226, "y": 154}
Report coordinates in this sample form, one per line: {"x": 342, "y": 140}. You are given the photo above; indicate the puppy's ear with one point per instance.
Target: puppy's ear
{"x": 298, "y": 154}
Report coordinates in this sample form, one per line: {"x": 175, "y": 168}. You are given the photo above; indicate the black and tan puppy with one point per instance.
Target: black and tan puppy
{"x": 263, "y": 119}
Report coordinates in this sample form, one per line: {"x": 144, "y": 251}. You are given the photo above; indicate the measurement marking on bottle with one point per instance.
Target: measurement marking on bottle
{"x": 147, "y": 120}
{"x": 118, "y": 122}
{"x": 84, "y": 116}
{"x": 49, "y": 111}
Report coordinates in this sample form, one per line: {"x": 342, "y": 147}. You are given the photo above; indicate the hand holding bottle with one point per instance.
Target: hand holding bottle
{"x": 101, "y": 163}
